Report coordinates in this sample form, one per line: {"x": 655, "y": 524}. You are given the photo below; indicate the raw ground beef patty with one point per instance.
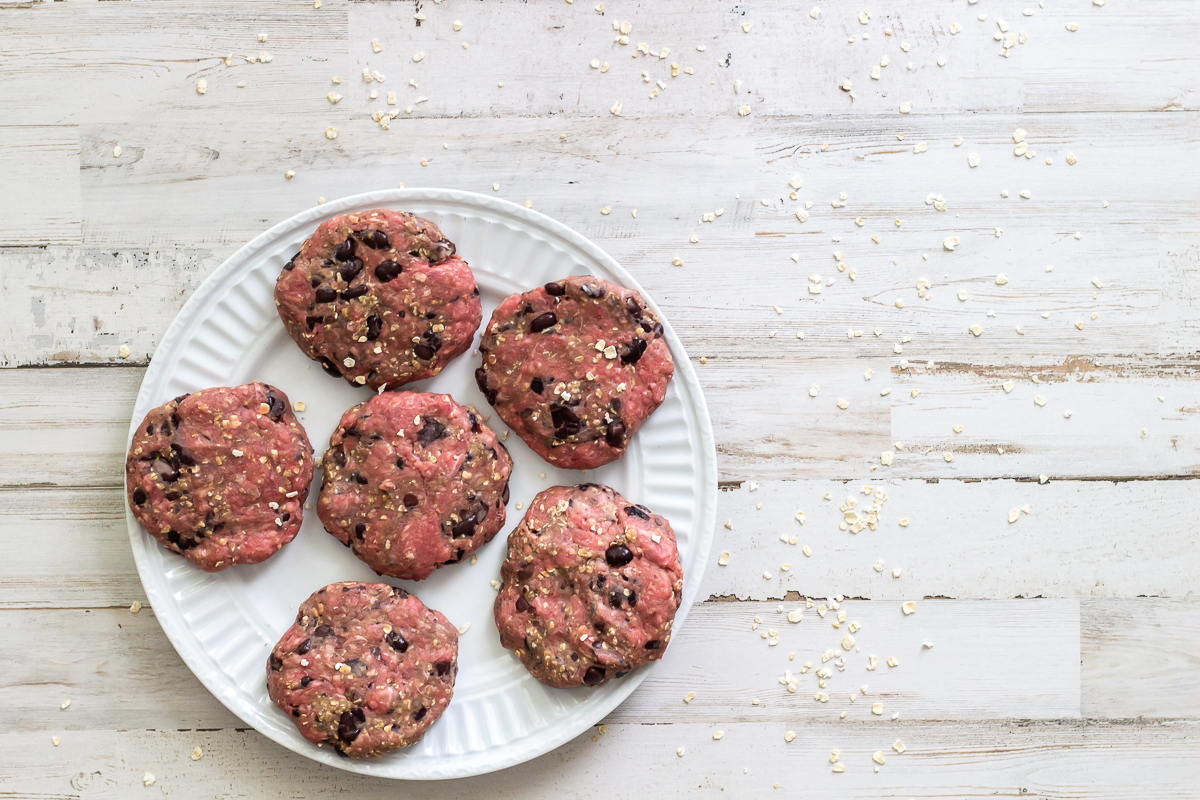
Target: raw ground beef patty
{"x": 413, "y": 481}
{"x": 366, "y": 668}
{"x": 575, "y": 367}
{"x": 379, "y": 297}
{"x": 590, "y": 586}
{"x": 220, "y": 476}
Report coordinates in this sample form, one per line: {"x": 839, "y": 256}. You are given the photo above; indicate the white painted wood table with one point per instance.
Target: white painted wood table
{"x": 1066, "y": 644}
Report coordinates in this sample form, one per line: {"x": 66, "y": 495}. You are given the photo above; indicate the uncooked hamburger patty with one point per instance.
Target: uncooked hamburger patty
{"x": 379, "y": 298}
{"x": 366, "y": 668}
{"x": 413, "y": 481}
{"x": 590, "y": 586}
{"x": 220, "y": 476}
{"x": 575, "y": 367}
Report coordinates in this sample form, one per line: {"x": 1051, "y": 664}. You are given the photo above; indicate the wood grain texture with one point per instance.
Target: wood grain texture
{"x": 1077, "y": 759}
{"x": 95, "y": 62}
{"x": 40, "y": 201}
{"x": 163, "y": 192}
{"x": 978, "y": 646}
{"x": 815, "y": 440}
{"x": 171, "y": 191}
{"x": 130, "y": 677}
{"x": 958, "y": 541}
{"x": 965, "y": 676}
{"x": 955, "y": 545}
{"x": 39, "y": 434}
{"x": 1117, "y": 636}
{"x": 160, "y": 217}
{"x": 1004, "y": 433}
{"x": 1066, "y": 644}
{"x": 788, "y": 62}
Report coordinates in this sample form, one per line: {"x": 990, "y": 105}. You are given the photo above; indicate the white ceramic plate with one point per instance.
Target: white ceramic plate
{"x": 224, "y": 625}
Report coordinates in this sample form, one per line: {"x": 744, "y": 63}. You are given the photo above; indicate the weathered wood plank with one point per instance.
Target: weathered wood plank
{"x": 786, "y": 65}
{"x": 53, "y": 434}
{"x": 970, "y": 673}
{"x": 1032, "y": 243}
{"x": 1079, "y": 540}
{"x": 1110, "y": 400}
{"x": 40, "y": 201}
{"x": 1085, "y": 760}
{"x": 92, "y": 564}
{"x": 118, "y": 243}
{"x": 122, "y": 672}
{"x": 975, "y": 670}
{"x": 1081, "y": 410}
{"x": 1179, "y": 258}
{"x": 788, "y": 61}
{"x": 122, "y": 62}
{"x": 871, "y": 157}
{"x": 161, "y": 196}
{"x": 1119, "y": 636}
{"x": 76, "y": 305}
{"x": 157, "y": 225}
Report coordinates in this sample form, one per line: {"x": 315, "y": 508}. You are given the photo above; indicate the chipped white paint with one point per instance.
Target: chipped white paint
{"x": 755, "y": 441}
{"x": 1076, "y": 759}
{"x": 124, "y": 186}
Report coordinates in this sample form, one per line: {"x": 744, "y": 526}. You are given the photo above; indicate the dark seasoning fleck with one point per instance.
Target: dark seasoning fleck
{"x": 379, "y": 298}
{"x": 578, "y": 568}
{"x": 220, "y": 476}
{"x": 382, "y": 498}
{"x": 366, "y": 668}
{"x": 579, "y": 384}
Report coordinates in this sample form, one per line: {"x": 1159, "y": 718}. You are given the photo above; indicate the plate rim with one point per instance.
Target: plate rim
{"x": 169, "y": 616}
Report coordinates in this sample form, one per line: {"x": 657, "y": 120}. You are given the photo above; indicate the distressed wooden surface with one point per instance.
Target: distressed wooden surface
{"x": 960, "y": 678}
{"x": 46, "y": 156}
{"x": 965, "y": 676}
{"x": 1144, "y": 547}
{"x": 1066, "y": 658}
{"x": 160, "y": 217}
{"x": 1111, "y": 760}
{"x": 813, "y": 439}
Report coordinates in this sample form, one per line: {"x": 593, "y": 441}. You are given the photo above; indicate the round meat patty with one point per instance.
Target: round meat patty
{"x": 366, "y": 668}
{"x": 575, "y": 367}
{"x": 590, "y": 586}
{"x": 220, "y": 476}
{"x": 379, "y": 298}
{"x": 413, "y": 481}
